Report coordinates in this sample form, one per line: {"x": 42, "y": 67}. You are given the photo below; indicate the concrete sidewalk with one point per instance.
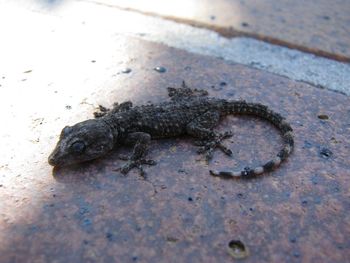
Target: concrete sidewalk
{"x": 63, "y": 58}
{"x": 320, "y": 27}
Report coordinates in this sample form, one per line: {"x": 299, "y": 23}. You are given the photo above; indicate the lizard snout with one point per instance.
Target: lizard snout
{"x": 53, "y": 160}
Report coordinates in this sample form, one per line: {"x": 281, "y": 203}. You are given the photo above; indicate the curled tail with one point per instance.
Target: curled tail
{"x": 262, "y": 111}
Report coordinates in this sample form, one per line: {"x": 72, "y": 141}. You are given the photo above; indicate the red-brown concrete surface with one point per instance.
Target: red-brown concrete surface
{"x": 318, "y": 26}
{"x": 92, "y": 213}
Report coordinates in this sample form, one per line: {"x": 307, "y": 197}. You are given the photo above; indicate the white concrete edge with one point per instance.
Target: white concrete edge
{"x": 294, "y": 64}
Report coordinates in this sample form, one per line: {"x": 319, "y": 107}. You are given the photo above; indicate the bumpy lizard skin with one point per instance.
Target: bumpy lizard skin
{"x": 189, "y": 112}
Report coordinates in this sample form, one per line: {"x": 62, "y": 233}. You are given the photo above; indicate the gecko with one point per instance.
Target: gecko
{"x": 189, "y": 112}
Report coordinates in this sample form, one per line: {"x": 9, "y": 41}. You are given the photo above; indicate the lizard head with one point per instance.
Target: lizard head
{"x": 82, "y": 142}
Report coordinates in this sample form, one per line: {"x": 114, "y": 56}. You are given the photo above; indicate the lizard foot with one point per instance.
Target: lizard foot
{"x": 208, "y": 146}
{"x": 101, "y": 111}
{"x": 138, "y": 163}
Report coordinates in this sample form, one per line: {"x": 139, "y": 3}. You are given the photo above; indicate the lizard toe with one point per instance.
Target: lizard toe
{"x": 225, "y": 150}
{"x": 138, "y": 163}
{"x": 148, "y": 162}
{"x": 123, "y": 157}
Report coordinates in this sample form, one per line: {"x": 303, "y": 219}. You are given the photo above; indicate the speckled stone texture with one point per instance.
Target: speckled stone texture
{"x": 92, "y": 213}
{"x": 318, "y": 26}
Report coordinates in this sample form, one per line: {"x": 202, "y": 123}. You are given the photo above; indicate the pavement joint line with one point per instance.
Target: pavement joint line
{"x": 294, "y": 64}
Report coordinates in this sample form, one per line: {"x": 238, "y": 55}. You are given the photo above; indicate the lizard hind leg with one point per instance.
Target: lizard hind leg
{"x": 185, "y": 92}
{"x": 202, "y": 128}
{"x": 102, "y": 111}
{"x": 207, "y": 147}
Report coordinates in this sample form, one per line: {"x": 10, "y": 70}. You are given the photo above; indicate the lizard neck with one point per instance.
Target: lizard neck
{"x": 119, "y": 124}
{"x": 113, "y": 124}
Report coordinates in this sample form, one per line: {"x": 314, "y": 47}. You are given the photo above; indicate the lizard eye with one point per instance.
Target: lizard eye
{"x": 78, "y": 147}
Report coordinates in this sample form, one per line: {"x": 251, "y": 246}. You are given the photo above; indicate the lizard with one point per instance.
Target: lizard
{"x": 189, "y": 112}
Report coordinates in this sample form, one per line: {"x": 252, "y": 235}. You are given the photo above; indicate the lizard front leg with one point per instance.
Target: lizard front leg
{"x": 202, "y": 128}
{"x": 140, "y": 140}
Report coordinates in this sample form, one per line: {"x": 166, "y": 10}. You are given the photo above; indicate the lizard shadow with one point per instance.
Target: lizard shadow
{"x": 88, "y": 172}
{"x": 72, "y": 174}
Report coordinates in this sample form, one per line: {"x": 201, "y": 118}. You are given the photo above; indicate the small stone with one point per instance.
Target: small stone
{"x": 160, "y": 69}
{"x": 323, "y": 117}
{"x": 326, "y": 153}
{"x": 126, "y": 70}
